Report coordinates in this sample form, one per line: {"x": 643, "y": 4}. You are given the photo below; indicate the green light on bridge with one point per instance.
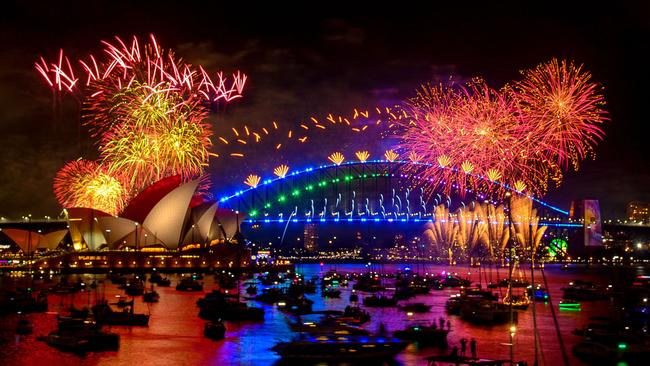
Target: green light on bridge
{"x": 282, "y": 198}
{"x": 267, "y": 205}
{"x": 296, "y": 192}
{"x": 253, "y": 213}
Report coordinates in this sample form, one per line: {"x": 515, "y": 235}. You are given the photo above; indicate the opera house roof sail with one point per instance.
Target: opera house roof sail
{"x": 165, "y": 214}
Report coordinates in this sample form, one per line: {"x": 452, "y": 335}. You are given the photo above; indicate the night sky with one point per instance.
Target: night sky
{"x": 311, "y": 60}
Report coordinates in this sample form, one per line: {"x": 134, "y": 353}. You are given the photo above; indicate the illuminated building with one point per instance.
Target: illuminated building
{"x": 311, "y": 237}
{"x": 638, "y": 211}
{"x": 586, "y": 212}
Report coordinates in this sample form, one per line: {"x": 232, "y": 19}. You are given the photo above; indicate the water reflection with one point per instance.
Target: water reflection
{"x": 175, "y": 333}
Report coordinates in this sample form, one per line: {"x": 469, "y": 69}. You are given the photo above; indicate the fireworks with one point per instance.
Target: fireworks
{"x": 525, "y": 223}
{"x": 146, "y": 108}
{"x": 483, "y": 230}
{"x": 252, "y": 180}
{"x": 362, "y": 155}
{"x": 281, "y": 171}
{"x": 521, "y": 137}
{"x": 336, "y": 158}
{"x": 391, "y": 155}
{"x": 83, "y": 183}
{"x": 565, "y": 107}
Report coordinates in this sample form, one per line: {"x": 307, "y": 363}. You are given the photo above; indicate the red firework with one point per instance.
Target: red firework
{"x": 523, "y": 137}
{"x": 565, "y": 109}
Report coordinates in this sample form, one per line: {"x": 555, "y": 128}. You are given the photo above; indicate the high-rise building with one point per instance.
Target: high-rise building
{"x": 638, "y": 211}
{"x": 586, "y": 212}
{"x": 311, "y": 237}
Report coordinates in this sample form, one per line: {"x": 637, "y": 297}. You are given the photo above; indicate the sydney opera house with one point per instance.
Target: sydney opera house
{"x": 168, "y": 225}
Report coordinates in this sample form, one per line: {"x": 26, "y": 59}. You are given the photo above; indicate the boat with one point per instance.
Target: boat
{"x": 83, "y": 341}
{"x": 134, "y": 288}
{"x": 540, "y": 293}
{"x": 454, "y": 281}
{"x": 106, "y": 316}
{"x": 584, "y": 291}
{"x": 122, "y": 301}
{"x": 354, "y": 315}
{"x": 486, "y": 312}
{"x": 188, "y": 284}
{"x": 612, "y": 353}
{"x": 24, "y": 326}
{"x": 354, "y": 297}
{"x": 214, "y": 330}
{"x": 296, "y": 305}
{"x": 164, "y": 282}
{"x": 327, "y": 325}
{"x": 118, "y": 279}
{"x": 379, "y": 301}
{"x": 330, "y": 292}
{"x": 339, "y": 348}
{"x": 415, "y": 307}
{"x": 470, "y": 361}
{"x": 215, "y": 306}
{"x": 270, "y": 295}
{"x": 251, "y": 289}
{"x": 155, "y": 277}
{"x": 23, "y": 301}
{"x": 151, "y": 296}
{"x": 71, "y": 323}
{"x": 567, "y": 305}
{"x": 519, "y": 302}
{"x": 429, "y": 335}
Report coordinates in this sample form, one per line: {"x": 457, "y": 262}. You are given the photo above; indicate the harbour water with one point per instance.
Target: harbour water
{"x": 175, "y": 332}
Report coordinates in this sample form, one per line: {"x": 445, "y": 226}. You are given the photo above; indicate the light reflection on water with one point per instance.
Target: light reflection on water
{"x": 175, "y": 333}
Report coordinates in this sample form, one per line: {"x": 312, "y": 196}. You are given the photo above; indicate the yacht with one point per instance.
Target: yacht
{"x": 339, "y": 348}
{"x": 424, "y": 335}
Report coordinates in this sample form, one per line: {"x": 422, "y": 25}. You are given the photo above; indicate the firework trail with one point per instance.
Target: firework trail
{"x": 83, "y": 183}
{"x": 147, "y": 110}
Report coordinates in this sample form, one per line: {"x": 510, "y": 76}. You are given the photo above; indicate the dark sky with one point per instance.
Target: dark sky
{"x": 310, "y": 60}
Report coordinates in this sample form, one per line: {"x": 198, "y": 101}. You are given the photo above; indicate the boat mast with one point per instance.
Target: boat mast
{"x": 510, "y": 268}
{"x": 532, "y": 281}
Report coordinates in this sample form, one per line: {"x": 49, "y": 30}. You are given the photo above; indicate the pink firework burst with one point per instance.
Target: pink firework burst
{"x": 565, "y": 109}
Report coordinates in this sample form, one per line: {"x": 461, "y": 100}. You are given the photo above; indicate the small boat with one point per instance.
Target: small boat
{"x": 151, "y": 296}
{"x": 354, "y": 297}
{"x": 24, "y": 326}
{"x": 354, "y": 315}
{"x": 134, "y": 288}
{"x": 105, "y": 315}
{"x": 566, "y": 305}
{"x": 330, "y": 292}
{"x": 214, "y": 329}
{"x": 83, "y": 341}
{"x": 424, "y": 335}
{"x": 155, "y": 277}
{"x": 454, "y": 281}
{"x": 540, "y": 293}
{"x": 379, "y": 301}
{"x": 251, "y": 289}
{"x": 327, "y": 325}
{"x": 416, "y": 307}
{"x": 520, "y": 302}
{"x": 122, "y": 301}
{"x": 164, "y": 282}
{"x": 188, "y": 284}
{"x": 486, "y": 312}
{"x": 340, "y": 348}
{"x": 584, "y": 291}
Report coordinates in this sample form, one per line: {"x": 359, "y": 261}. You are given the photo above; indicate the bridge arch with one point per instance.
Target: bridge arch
{"x": 373, "y": 190}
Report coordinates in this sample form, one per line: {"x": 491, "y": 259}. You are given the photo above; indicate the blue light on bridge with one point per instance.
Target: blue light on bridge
{"x": 397, "y": 162}
{"x": 378, "y": 219}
